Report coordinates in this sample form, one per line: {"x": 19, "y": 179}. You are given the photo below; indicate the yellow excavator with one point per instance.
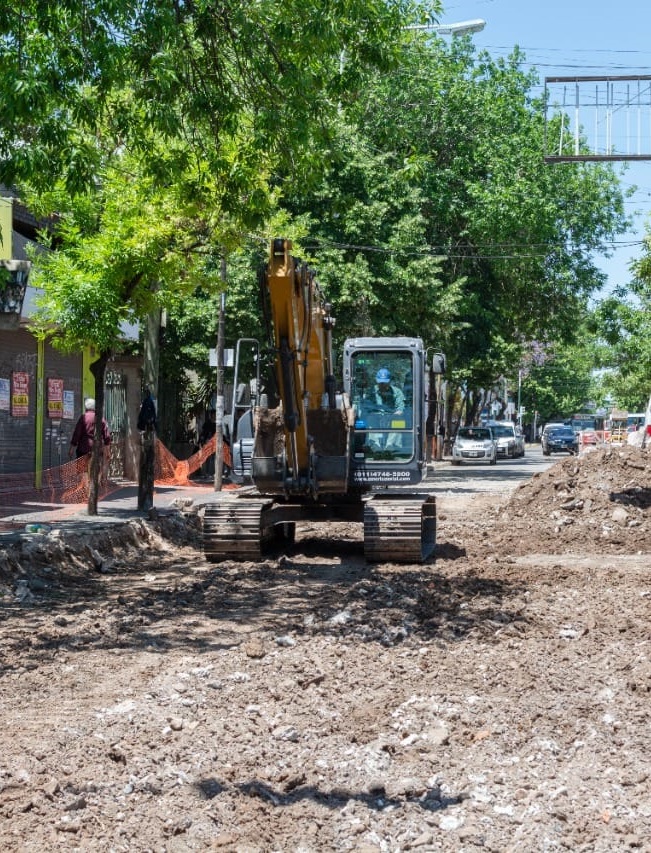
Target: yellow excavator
{"x": 329, "y": 451}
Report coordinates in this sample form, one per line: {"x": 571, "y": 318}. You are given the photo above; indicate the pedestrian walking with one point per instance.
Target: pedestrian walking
{"x": 83, "y": 436}
{"x": 208, "y": 431}
{"x": 147, "y": 426}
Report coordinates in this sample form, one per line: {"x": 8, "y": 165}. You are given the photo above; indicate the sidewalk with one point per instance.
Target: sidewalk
{"x": 118, "y": 506}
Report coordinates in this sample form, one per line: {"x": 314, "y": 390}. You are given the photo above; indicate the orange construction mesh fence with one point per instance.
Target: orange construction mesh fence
{"x": 170, "y": 471}
{"x": 69, "y": 483}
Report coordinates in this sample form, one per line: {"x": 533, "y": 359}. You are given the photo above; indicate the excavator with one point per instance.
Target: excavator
{"x": 329, "y": 451}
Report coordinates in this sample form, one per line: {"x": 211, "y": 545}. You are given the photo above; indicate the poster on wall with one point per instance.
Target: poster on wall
{"x": 20, "y": 395}
{"x": 5, "y": 395}
{"x": 69, "y": 404}
{"x": 55, "y": 398}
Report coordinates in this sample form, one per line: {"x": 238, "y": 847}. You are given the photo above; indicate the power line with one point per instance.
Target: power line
{"x": 485, "y": 252}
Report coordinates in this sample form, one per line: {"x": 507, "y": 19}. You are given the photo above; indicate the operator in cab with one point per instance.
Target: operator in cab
{"x": 389, "y": 401}
{"x": 388, "y": 397}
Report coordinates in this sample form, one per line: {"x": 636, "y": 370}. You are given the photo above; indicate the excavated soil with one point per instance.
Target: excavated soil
{"x": 497, "y": 698}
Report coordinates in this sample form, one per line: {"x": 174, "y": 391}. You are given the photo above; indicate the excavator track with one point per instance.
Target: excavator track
{"x": 401, "y": 530}
{"x": 232, "y": 529}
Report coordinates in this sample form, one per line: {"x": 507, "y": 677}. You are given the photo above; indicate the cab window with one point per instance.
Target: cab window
{"x": 383, "y": 399}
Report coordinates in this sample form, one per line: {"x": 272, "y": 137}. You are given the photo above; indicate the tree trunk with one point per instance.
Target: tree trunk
{"x": 219, "y": 421}
{"x": 98, "y": 369}
{"x": 151, "y": 362}
{"x": 146, "y": 471}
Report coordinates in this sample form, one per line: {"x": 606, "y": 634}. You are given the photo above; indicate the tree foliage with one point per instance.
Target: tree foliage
{"x": 623, "y": 323}
{"x": 438, "y": 216}
{"x": 409, "y": 171}
{"x": 559, "y": 380}
{"x": 226, "y": 85}
{"x": 153, "y": 131}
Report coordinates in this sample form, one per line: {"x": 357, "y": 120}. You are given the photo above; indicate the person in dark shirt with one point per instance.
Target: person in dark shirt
{"x": 147, "y": 417}
{"x": 209, "y": 427}
{"x": 83, "y": 436}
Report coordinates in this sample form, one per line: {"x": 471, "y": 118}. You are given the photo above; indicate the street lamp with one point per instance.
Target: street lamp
{"x": 460, "y": 28}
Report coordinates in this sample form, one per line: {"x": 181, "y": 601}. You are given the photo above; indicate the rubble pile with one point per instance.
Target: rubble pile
{"x": 36, "y": 561}
{"x": 598, "y": 501}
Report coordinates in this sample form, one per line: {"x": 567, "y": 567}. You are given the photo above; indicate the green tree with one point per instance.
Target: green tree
{"x": 152, "y": 131}
{"x": 118, "y": 254}
{"x": 439, "y": 217}
{"x": 226, "y": 85}
{"x": 622, "y": 322}
{"x": 557, "y": 381}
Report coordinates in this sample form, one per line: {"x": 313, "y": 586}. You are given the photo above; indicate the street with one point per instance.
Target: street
{"x": 501, "y": 478}
{"x": 494, "y": 698}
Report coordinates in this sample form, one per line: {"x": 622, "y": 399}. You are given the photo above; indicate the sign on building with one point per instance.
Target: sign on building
{"x": 55, "y": 398}
{"x": 20, "y": 395}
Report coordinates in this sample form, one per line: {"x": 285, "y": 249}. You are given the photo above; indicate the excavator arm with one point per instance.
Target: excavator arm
{"x": 301, "y": 327}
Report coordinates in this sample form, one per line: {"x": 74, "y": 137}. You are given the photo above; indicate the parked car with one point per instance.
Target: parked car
{"x": 559, "y": 438}
{"x": 509, "y": 438}
{"x": 474, "y": 444}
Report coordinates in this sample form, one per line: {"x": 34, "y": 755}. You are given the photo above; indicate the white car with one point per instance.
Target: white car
{"x": 474, "y": 444}
{"x": 510, "y": 441}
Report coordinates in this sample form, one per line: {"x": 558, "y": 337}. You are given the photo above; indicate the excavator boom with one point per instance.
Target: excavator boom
{"x": 302, "y": 337}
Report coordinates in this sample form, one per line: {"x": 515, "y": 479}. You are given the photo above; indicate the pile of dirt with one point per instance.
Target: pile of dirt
{"x": 598, "y": 501}
{"x": 33, "y": 563}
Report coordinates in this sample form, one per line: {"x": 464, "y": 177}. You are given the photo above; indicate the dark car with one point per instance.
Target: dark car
{"x": 559, "y": 439}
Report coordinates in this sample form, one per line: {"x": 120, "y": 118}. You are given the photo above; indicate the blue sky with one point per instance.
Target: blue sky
{"x": 582, "y": 37}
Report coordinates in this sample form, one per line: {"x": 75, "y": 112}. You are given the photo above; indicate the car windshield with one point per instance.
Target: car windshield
{"x": 562, "y": 431}
{"x": 474, "y": 433}
{"x": 501, "y": 430}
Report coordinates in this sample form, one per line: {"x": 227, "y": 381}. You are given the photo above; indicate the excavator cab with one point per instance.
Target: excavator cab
{"x": 387, "y": 384}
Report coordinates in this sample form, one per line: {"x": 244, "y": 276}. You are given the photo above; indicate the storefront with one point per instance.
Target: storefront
{"x": 42, "y": 390}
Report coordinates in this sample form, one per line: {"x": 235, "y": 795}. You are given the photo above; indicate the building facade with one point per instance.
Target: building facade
{"x": 42, "y": 390}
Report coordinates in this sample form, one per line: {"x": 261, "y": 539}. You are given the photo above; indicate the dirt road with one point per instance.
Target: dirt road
{"x": 495, "y": 699}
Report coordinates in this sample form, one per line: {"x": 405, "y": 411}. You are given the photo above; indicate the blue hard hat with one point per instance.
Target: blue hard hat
{"x": 383, "y": 375}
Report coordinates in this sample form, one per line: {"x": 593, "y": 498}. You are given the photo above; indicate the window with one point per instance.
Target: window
{"x": 383, "y": 401}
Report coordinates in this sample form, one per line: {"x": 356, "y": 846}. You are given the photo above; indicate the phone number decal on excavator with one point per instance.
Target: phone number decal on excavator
{"x": 382, "y": 476}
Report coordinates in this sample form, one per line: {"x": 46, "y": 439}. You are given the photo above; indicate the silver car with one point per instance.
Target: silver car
{"x": 474, "y": 444}
{"x": 510, "y": 441}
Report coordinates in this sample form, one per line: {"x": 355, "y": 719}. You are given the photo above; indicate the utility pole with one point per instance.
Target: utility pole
{"x": 219, "y": 409}
{"x": 437, "y": 370}
{"x": 148, "y": 436}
